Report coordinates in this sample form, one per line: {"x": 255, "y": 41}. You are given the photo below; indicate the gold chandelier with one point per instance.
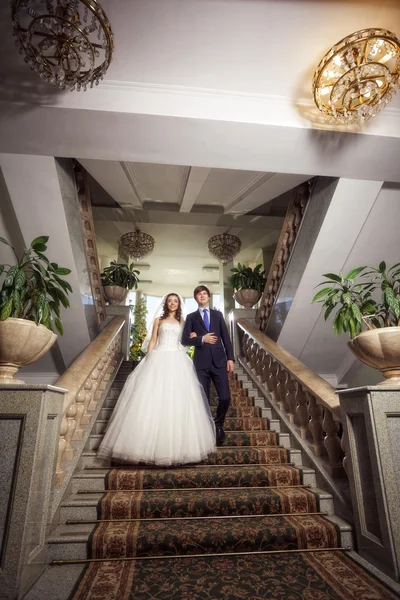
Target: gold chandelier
{"x": 137, "y": 244}
{"x": 68, "y": 43}
{"x": 224, "y": 247}
{"x": 358, "y": 76}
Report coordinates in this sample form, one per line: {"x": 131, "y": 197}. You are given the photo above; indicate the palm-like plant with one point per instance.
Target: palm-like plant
{"x": 34, "y": 288}
{"x": 120, "y": 274}
{"x": 246, "y": 278}
{"x": 354, "y": 301}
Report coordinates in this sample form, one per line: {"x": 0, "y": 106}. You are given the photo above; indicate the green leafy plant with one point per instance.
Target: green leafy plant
{"x": 246, "y": 278}
{"x": 120, "y": 274}
{"x": 138, "y": 330}
{"x": 34, "y": 288}
{"x": 354, "y": 302}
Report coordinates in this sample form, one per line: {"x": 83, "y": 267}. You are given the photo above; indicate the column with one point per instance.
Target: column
{"x": 30, "y": 418}
{"x": 226, "y": 290}
{"x": 34, "y": 191}
{"x": 371, "y": 426}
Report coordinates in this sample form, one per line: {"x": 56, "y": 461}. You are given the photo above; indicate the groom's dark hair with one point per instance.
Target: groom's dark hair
{"x": 201, "y": 288}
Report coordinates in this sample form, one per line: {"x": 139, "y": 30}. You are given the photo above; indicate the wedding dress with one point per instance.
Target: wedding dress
{"x": 162, "y": 416}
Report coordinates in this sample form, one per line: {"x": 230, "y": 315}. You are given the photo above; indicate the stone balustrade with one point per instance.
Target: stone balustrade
{"x": 290, "y": 229}
{"x": 310, "y": 404}
{"x": 86, "y": 381}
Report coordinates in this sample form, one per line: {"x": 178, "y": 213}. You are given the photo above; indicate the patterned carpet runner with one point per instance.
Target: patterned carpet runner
{"x": 201, "y": 532}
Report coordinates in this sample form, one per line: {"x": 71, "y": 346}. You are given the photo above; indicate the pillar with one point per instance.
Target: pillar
{"x": 371, "y": 426}
{"x": 30, "y": 419}
{"x": 33, "y": 188}
{"x": 226, "y": 290}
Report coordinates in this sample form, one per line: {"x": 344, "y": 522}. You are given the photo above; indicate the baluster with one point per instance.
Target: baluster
{"x": 315, "y": 425}
{"x": 70, "y": 414}
{"x": 259, "y": 363}
{"x": 332, "y": 443}
{"x": 89, "y": 391}
{"x": 274, "y": 381}
{"x": 291, "y": 399}
{"x": 80, "y": 410}
{"x": 302, "y": 412}
{"x": 281, "y": 389}
{"x": 344, "y": 462}
{"x": 62, "y": 444}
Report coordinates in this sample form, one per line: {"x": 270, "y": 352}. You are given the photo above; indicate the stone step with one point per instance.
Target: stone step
{"x": 100, "y": 426}
{"x": 105, "y": 413}
{"x": 70, "y": 541}
{"x": 95, "y": 480}
{"x": 95, "y": 438}
{"x": 89, "y": 459}
{"x": 94, "y": 441}
{"x": 110, "y": 402}
{"x": 284, "y": 440}
{"x": 85, "y": 506}
{"x": 274, "y": 424}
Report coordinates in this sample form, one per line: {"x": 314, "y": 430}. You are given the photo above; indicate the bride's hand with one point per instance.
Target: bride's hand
{"x": 193, "y": 335}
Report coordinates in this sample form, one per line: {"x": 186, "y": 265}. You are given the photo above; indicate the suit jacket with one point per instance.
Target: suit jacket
{"x": 208, "y": 355}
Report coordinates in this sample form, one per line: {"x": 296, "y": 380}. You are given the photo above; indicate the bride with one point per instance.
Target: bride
{"x": 162, "y": 416}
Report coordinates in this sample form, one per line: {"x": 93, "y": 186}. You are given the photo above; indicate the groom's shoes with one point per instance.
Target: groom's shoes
{"x": 220, "y": 435}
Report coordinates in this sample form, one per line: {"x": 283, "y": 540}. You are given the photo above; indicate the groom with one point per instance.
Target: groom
{"x": 213, "y": 356}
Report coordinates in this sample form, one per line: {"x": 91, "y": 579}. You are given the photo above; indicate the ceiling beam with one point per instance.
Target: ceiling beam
{"x": 195, "y": 181}
{"x": 272, "y": 187}
{"x": 112, "y": 176}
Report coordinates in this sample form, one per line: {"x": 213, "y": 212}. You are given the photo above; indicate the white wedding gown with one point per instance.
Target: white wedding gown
{"x": 162, "y": 416}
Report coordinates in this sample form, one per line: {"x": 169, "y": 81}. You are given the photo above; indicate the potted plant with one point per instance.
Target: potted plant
{"x": 118, "y": 279}
{"x": 248, "y": 284}
{"x": 378, "y": 346}
{"x": 31, "y": 296}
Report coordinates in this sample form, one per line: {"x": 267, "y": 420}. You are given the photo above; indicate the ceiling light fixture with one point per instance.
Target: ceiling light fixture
{"x": 68, "y": 43}
{"x": 224, "y": 247}
{"x": 358, "y": 76}
{"x": 137, "y": 244}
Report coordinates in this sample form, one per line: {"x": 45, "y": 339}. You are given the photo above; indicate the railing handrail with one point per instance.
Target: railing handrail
{"x": 309, "y": 380}
{"x": 75, "y": 376}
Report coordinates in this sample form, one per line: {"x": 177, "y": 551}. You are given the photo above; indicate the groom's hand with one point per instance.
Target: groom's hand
{"x": 210, "y": 338}
{"x": 230, "y": 366}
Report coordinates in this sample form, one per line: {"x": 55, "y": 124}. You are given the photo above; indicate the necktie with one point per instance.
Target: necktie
{"x": 206, "y": 319}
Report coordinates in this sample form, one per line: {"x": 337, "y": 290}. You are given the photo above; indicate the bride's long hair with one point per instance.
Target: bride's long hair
{"x": 178, "y": 314}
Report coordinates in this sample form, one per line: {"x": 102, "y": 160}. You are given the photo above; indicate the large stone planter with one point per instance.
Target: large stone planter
{"x": 247, "y": 298}
{"x": 22, "y": 342}
{"x": 380, "y": 349}
{"x": 115, "y": 294}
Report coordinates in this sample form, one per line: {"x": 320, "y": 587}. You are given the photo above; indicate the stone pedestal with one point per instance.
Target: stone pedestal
{"x": 371, "y": 423}
{"x": 30, "y": 419}
{"x": 122, "y": 311}
{"x": 234, "y": 316}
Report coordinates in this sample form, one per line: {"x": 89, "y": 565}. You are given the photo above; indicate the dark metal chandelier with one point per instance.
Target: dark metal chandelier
{"x": 68, "y": 43}
{"x": 224, "y": 247}
{"x": 137, "y": 244}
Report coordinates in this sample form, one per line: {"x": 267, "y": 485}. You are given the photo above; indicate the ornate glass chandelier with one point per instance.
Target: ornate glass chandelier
{"x": 358, "y": 76}
{"x": 224, "y": 247}
{"x": 68, "y": 43}
{"x": 137, "y": 244}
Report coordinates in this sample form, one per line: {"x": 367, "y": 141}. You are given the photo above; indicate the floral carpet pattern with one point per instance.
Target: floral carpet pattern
{"x": 202, "y": 532}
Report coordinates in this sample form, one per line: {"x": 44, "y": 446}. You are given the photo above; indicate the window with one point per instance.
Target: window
{"x": 152, "y": 304}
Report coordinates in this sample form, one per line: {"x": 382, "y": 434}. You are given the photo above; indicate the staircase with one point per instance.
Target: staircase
{"x": 228, "y": 528}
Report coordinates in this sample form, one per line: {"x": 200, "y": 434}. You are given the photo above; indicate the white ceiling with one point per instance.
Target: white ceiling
{"x": 182, "y": 207}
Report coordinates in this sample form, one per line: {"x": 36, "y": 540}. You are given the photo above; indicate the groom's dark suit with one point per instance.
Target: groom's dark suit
{"x": 210, "y": 359}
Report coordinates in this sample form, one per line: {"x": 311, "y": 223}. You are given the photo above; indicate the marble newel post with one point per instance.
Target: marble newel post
{"x": 30, "y": 419}
{"x": 371, "y": 424}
